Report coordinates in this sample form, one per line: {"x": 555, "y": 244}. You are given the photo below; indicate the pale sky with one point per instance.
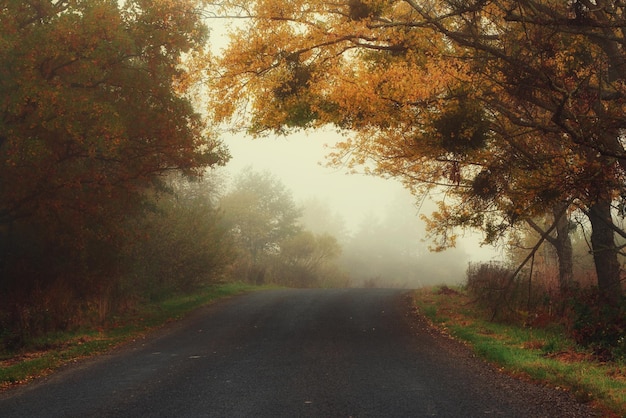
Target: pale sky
{"x": 299, "y": 162}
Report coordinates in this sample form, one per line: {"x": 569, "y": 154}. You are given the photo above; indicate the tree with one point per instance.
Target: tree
{"x": 93, "y": 112}
{"x": 182, "y": 243}
{"x": 562, "y": 243}
{"x": 515, "y": 107}
{"x": 559, "y": 66}
{"x": 307, "y": 260}
{"x": 261, "y": 213}
{"x": 319, "y": 218}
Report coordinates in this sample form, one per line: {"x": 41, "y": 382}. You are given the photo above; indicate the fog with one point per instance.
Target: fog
{"x": 376, "y": 221}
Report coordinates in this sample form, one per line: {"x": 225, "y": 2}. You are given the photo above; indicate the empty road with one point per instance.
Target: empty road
{"x": 290, "y": 353}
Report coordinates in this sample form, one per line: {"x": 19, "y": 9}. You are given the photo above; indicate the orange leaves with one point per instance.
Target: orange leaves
{"x": 254, "y": 66}
{"x": 505, "y": 103}
{"x": 91, "y": 114}
{"x": 363, "y": 72}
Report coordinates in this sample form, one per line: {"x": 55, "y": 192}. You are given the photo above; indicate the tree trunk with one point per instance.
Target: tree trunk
{"x": 605, "y": 251}
{"x": 563, "y": 246}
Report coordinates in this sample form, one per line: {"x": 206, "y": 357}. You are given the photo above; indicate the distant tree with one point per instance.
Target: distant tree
{"x": 261, "y": 213}
{"x": 182, "y": 243}
{"x": 308, "y": 260}
{"x": 319, "y": 218}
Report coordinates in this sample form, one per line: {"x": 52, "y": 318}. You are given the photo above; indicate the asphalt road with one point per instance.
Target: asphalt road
{"x": 290, "y": 353}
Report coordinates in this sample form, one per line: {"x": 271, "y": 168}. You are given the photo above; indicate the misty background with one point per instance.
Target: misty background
{"x": 376, "y": 221}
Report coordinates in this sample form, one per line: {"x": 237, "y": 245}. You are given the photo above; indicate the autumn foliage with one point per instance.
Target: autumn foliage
{"x": 515, "y": 109}
{"x": 93, "y": 113}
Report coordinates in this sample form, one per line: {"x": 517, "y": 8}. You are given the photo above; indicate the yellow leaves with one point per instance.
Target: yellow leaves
{"x": 432, "y": 93}
{"x": 320, "y": 35}
{"x": 438, "y": 226}
{"x": 344, "y": 89}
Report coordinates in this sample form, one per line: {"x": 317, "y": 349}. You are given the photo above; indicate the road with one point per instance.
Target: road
{"x": 290, "y": 353}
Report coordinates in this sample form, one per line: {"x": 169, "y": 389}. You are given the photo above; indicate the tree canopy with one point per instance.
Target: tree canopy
{"x": 516, "y": 107}
{"x": 91, "y": 112}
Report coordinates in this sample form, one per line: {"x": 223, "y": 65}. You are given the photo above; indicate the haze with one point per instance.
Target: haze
{"x": 383, "y": 239}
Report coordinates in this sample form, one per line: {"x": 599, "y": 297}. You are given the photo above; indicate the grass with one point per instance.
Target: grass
{"x": 48, "y": 353}
{"x": 542, "y": 355}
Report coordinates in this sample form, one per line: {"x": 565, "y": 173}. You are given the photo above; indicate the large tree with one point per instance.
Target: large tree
{"x": 91, "y": 112}
{"x": 557, "y": 72}
{"x": 515, "y": 106}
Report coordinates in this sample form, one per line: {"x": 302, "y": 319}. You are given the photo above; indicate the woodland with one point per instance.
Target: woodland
{"x": 509, "y": 113}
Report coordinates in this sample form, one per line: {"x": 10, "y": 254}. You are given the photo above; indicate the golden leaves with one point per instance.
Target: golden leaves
{"x": 486, "y": 99}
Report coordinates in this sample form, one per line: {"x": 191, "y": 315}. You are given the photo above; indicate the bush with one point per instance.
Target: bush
{"x": 492, "y": 287}
{"x": 589, "y": 321}
{"x": 598, "y": 325}
{"x": 50, "y": 283}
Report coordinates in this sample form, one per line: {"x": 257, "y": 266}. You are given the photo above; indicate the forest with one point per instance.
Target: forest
{"x": 510, "y": 114}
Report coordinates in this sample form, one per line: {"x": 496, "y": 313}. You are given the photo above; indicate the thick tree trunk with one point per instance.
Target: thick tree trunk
{"x": 605, "y": 251}
{"x": 565, "y": 254}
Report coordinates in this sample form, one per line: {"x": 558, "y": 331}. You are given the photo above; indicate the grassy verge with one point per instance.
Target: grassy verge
{"x": 543, "y": 355}
{"x": 44, "y": 355}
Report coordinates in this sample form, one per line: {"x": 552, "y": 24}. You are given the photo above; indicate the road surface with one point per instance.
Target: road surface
{"x": 290, "y": 353}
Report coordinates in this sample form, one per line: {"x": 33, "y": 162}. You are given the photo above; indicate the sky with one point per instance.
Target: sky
{"x": 299, "y": 161}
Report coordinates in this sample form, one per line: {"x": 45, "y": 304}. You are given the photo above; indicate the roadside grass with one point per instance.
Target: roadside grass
{"x": 45, "y": 354}
{"x": 543, "y": 355}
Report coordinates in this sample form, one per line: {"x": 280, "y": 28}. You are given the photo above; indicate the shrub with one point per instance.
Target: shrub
{"x": 598, "y": 325}
{"x": 492, "y": 286}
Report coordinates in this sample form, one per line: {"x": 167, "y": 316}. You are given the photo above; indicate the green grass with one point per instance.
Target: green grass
{"x": 544, "y": 355}
{"x": 45, "y": 354}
